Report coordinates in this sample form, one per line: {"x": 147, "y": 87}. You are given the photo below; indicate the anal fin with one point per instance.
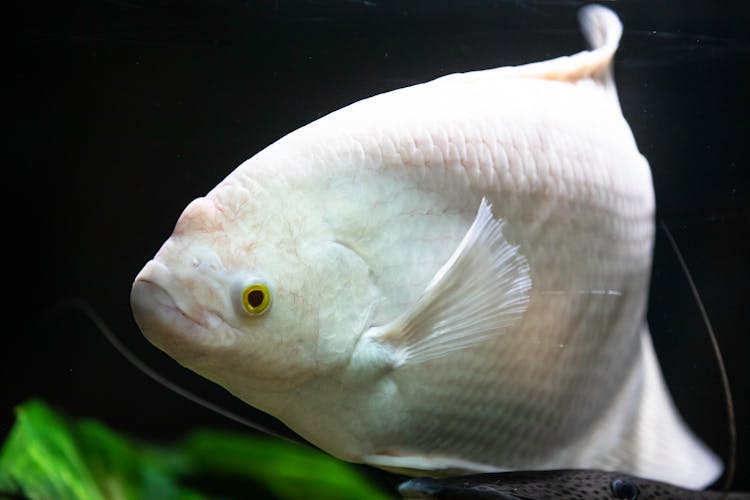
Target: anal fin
{"x": 426, "y": 465}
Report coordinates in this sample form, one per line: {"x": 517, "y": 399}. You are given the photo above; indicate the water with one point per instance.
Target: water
{"x": 122, "y": 112}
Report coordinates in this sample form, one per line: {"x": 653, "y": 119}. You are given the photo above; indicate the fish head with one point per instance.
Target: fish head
{"x": 228, "y": 294}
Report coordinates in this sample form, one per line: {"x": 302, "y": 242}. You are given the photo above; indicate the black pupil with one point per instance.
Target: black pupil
{"x": 255, "y": 298}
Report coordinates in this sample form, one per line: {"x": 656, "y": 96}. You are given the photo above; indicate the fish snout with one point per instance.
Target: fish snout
{"x": 163, "y": 319}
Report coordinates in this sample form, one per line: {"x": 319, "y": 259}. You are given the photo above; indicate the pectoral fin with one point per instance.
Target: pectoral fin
{"x": 482, "y": 291}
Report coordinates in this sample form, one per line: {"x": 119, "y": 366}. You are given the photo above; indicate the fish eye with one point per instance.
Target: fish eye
{"x": 624, "y": 489}
{"x": 256, "y": 299}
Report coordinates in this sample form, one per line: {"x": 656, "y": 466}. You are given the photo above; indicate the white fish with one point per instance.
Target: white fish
{"x": 448, "y": 277}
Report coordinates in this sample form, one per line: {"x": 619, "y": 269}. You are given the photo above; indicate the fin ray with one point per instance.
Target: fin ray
{"x": 481, "y": 291}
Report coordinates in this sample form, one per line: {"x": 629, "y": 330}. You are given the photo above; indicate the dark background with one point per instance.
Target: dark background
{"x": 121, "y": 112}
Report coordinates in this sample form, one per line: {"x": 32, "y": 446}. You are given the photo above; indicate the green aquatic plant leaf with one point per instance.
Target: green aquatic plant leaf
{"x": 48, "y": 455}
{"x": 288, "y": 471}
{"x": 41, "y": 459}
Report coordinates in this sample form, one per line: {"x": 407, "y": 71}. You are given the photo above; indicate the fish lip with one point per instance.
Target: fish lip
{"x": 160, "y": 292}
{"x": 156, "y": 312}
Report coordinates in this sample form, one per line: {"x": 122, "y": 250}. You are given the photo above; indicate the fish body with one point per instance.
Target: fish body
{"x": 444, "y": 278}
{"x": 555, "y": 485}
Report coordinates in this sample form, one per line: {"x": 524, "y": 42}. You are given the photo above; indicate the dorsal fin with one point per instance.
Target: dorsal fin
{"x": 602, "y": 29}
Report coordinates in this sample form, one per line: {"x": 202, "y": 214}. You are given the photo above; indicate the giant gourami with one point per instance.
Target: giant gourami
{"x": 449, "y": 277}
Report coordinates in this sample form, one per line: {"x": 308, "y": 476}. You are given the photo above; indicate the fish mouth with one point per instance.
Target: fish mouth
{"x": 157, "y": 314}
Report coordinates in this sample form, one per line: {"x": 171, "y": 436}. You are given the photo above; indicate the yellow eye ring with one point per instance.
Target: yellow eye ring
{"x": 256, "y": 299}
